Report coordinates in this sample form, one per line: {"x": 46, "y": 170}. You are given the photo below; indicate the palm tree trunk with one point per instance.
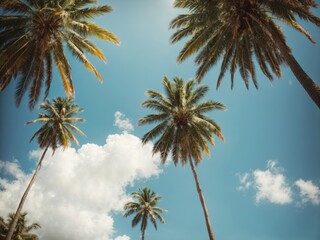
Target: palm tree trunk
{"x": 142, "y": 237}
{"x": 23, "y": 199}
{"x": 307, "y": 83}
{"x": 205, "y": 210}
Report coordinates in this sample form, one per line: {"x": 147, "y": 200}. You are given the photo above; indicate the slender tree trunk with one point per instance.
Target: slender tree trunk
{"x": 205, "y": 210}
{"x": 23, "y": 199}
{"x": 142, "y": 237}
{"x": 307, "y": 83}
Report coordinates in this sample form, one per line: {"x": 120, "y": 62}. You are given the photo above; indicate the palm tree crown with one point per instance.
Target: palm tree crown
{"x": 183, "y": 128}
{"x": 144, "y": 207}
{"x": 58, "y": 123}
{"x": 236, "y": 31}
{"x": 22, "y": 230}
{"x": 33, "y": 35}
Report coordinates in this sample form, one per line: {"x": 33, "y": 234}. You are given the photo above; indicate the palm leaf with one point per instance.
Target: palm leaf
{"x": 82, "y": 57}
{"x": 90, "y": 12}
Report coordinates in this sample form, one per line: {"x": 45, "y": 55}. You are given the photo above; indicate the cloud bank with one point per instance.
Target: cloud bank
{"x": 76, "y": 191}
{"x": 271, "y": 185}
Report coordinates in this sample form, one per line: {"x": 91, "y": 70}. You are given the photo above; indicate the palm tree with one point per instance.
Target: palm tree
{"x": 236, "y": 31}
{"x": 144, "y": 207}
{"x": 57, "y": 130}
{"x": 22, "y": 230}
{"x": 34, "y": 35}
{"x": 182, "y": 127}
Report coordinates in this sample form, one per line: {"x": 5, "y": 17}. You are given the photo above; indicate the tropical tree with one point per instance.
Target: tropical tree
{"x": 182, "y": 127}
{"x": 236, "y": 31}
{"x": 22, "y": 231}
{"x": 34, "y": 36}
{"x": 144, "y": 207}
{"x": 58, "y": 118}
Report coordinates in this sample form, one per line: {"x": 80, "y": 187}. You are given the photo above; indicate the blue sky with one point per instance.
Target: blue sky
{"x": 261, "y": 183}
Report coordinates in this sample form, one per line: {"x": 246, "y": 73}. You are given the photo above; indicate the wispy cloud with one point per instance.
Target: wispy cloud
{"x": 79, "y": 189}
{"x": 122, "y": 123}
{"x": 271, "y": 185}
{"x": 245, "y": 181}
{"x": 309, "y": 192}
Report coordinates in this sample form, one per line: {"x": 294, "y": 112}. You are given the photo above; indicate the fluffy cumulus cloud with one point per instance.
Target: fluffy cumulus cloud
{"x": 122, "y": 123}
{"x": 271, "y": 185}
{"x": 77, "y": 190}
{"x": 309, "y": 192}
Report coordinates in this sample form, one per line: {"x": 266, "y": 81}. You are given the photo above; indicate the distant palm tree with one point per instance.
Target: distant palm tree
{"x": 236, "y": 31}
{"x": 22, "y": 230}
{"x": 144, "y": 207}
{"x": 34, "y": 35}
{"x": 58, "y": 124}
{"x": 182, "y": 127}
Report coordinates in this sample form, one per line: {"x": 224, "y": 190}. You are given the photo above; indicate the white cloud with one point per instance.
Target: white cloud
{"x": 79, "y": 189}
{"x": 12, "y": 168}
{"x": 122, "y": 123}
{"x": 124, "y": 237}
{"x": 245, "y": 181}
{"x": 270, "y": 185}
{"x": 309, "y": 192}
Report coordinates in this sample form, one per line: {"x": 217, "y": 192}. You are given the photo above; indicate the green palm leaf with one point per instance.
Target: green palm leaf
{"x": 33, "y": 38}
{"x": 240, "y": 32}
{"x": 23, "y": 230}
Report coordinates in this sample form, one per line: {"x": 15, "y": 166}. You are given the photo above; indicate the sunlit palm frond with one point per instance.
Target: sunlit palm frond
{"x": 239, "y": 32}
{"x": 34, "y": 36}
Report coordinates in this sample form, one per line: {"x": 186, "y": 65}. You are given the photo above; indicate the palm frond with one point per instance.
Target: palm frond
{"x": 15, "y": 6}
{"x": 193, "y": 45}
{"x": 156, "y": 105}
{"x": 152, "y": 118}
{"x": 196, "y": 95}
{"x": 64, "y": 68}
{"x": 82, "y": 57}
{"x": 33, "y": 38}
{"x": 36, "y": 84}
{"x": 48, "y": 64}
{"x": 91, "y": 29}
{"x": 157, "y": 130}
{"x": 136, "y": 219}
{"x": 164, "y": 143}
{"x": 208, "y": 106}
{"x": 27, "y": 74}
{"x": 90, "y": 12}
{"x": 238, "y": 31}
{"x": 85, "y": 44}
